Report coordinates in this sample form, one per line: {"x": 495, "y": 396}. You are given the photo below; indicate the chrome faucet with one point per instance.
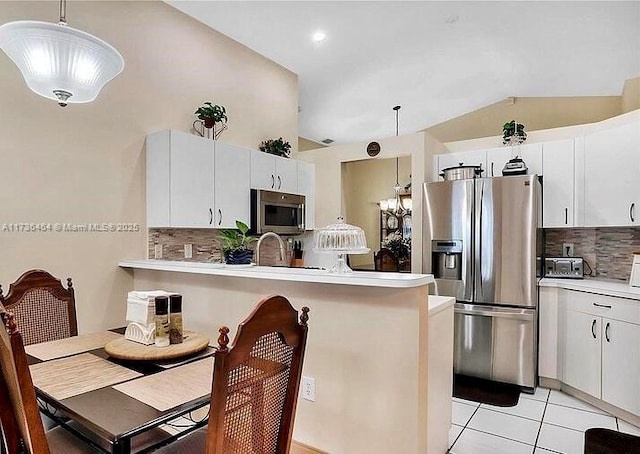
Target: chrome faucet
{"x": 266, "y": 235}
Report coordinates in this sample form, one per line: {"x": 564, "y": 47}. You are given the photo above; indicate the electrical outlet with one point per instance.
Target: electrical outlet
{"x": 567, "y": 249}
{"x": 188, "y": 251}
{"x": 309, "y": 388}
{"x": 157, "y": 251}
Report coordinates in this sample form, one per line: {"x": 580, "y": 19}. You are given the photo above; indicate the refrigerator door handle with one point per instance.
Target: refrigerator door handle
{"x": 514, "y": 314}
{"x": 479, "y": 230}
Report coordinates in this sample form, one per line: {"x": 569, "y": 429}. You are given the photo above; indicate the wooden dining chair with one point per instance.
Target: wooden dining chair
{"x": 386, "y": 260}
{"x": 43, "y": 308}
{"x": 19, "y": 413}
{"x": 255, "y": 385}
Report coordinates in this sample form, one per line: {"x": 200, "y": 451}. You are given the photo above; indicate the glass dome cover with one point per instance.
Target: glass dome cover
{"x": 341, "y": 238}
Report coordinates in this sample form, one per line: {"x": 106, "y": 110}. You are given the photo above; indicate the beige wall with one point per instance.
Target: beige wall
{"x": 330, "y": 197}
{"x": 631, "y": 95}
{"x": 366, "y": 183}
{"x": 86, "y": 163}
{"x": 534, "y": 113}
{"x": 306, "y": 144}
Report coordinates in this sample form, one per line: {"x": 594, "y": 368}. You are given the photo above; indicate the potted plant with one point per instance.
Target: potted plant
{"x": 210, "y": 115}
{"x": 277, "y": 147}
{"x": 513, "y": 133}
{"x": 235, "y": 244}
{"x": 400, "y": 246}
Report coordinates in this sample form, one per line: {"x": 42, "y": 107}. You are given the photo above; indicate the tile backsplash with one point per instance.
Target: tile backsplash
{"x": 205, "y": 247}
{"x": 608, "y": 250}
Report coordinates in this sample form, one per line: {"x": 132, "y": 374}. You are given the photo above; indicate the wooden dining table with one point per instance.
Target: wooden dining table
{"x": 115, "y": 404}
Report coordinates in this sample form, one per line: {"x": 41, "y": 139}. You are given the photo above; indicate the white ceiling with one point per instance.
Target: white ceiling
{"x": 438, "y": 60}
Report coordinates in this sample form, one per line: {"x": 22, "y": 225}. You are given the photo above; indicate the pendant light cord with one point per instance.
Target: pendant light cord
{"x": 397, "y": 109}
{"x": 63, "y": 12}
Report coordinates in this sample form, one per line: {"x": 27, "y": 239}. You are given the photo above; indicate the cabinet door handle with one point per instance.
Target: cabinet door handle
{"x": 492, "y": 169}
{"x": 210, "y": 216}
{"x": 593, "y": 328}
{"x": 273, "y": 182}
{"x": 606, "y": 332}
{"x": 606, "y": 306}
{"x": 279, "y": 182}
{"x": 220, "y": 213}
{"x": 566, "y": 216}
{"x": 632, "y": 210}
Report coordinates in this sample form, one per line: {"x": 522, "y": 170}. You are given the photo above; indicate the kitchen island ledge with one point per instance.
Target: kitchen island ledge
{"x": 359, "y": 278}
{"x": 380, "y": 348}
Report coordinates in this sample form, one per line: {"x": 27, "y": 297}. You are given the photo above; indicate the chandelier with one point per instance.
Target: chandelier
{"x": 60, "y": 62}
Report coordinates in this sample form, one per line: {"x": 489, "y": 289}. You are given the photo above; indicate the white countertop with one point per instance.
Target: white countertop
{"x": 358, "y": 278}
{"x": 439, "y": 303}
{"x": 601, "y": 286}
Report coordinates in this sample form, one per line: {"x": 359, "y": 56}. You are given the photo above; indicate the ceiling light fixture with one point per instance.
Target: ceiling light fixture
{"x": 398, "y": 209}
{"x": 399, "y": 204}
{"x": 60, "y": 62}
{"x": 319, "y": 36}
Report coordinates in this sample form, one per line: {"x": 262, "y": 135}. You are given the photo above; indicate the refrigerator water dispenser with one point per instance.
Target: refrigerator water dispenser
{"x": 447, "y": 259}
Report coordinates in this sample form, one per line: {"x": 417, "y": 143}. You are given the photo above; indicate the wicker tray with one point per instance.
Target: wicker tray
{"x": 129, "y": 350}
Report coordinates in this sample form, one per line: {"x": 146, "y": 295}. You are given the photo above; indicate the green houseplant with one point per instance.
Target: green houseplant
{"x": 513, "y": 133}
{"x": 235, "y": 244}
{"x": 211, "y": 115}
{"x": 278, "y": 147}
{"x": 400, "y": 246}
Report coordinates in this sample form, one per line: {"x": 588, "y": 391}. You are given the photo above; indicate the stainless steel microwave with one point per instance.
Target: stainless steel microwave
{"x": 277, "y": 212}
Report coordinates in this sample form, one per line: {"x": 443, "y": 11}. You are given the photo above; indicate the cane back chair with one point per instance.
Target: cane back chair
{"x": 255, "y": 386}
{"x": 19, "y": 413}
{"x": 43, "y": 308}
{"x": 386, "y": 260}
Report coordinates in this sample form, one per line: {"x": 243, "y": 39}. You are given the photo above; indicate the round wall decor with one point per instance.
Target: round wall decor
{"x": 373, "y": 149}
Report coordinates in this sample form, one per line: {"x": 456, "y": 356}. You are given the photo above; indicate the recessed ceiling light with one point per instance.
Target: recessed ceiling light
{"x": 319, "y": 36}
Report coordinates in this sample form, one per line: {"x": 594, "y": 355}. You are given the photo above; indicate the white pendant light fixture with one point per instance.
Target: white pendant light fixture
{"x": 60, "y": 62}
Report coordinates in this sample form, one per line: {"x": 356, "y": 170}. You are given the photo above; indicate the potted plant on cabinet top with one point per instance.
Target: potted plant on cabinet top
{"x": 210, "y": 115}
{"x": 277, "y": 147}
{"x": 513, "y": 133}
{"x": 235, "y": 245}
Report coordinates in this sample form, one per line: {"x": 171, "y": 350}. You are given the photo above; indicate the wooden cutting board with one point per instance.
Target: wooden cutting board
{"x": 133, "y": 351}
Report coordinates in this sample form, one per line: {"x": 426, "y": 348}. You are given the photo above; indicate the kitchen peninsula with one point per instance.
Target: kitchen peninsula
{"x": 379, "y": 348}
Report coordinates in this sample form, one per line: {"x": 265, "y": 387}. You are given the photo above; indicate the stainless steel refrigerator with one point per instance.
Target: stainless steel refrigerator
{"x": 481, "y": 243}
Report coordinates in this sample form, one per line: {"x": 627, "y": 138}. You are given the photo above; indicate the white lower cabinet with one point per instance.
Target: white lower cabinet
{"x": 621, "y": 364}
{"x": 582, "y": 352}
{"x": 599, "y": 346}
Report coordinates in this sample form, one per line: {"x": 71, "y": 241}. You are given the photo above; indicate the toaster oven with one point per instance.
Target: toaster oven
{"x": 564, "y": 267}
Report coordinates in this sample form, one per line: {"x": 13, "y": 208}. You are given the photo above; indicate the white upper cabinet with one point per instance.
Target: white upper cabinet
{"x": 306, "y": 187}
{"x": 466, "y": 158}
{"x": 558, "y": 183}
{"x": 179, "y": 180}
{"x": 273, "y": 173}
{"x": 497, "y": 158}
{"x": 612, "y": 177}
{"x": 231, "y": 192}
{"x": 194, "y": 182}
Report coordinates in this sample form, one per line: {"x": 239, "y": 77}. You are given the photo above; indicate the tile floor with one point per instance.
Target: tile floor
{"x": 547, "y": 422}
